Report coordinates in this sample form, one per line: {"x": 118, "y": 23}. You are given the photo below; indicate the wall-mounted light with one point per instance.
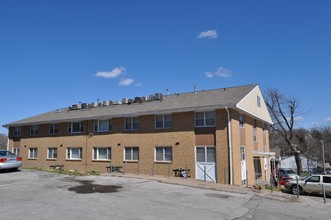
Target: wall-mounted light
{"x": 61, "y": 145}
{"x": 177, "y": 143}
{"x": 119, "y": 144}
{"x": 24, "y": 145}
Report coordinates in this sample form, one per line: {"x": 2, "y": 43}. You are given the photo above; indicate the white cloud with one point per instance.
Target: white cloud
{"x": 112, "y": 74}
{"x": 126, "y": 82}
{"x": 298, "y": 118}
{"x": 211, "y": 34}
{"x": 138, "y": 84}
{"x": 220, "y": 72}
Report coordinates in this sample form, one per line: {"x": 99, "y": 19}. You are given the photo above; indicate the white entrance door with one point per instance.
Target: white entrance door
{"x": 243, "y": 164}
{"x": 205, "y": 168}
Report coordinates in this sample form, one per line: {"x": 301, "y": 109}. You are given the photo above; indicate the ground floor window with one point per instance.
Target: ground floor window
{"x": 101, "y": 153}
{"x": 131, "y": 153}
{"x": 16, "y": 151}
{"x": 163, "y": 154}
{"x": 52, "y": 153}
{"x": 33, "y": 153}
{"x": 74, "y": 153}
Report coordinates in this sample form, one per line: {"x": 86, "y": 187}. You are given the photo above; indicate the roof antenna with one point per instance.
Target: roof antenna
{"x": 195, "y": 89}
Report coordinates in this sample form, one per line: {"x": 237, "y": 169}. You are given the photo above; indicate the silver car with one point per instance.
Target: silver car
{"x": 8, "y": 160}
{"x": 312, "y": 184}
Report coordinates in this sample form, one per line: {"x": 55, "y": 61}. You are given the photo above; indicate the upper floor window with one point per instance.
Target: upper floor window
{"x": 163, "y": 121}
{"x": 75, "y": 127}
{"x": 258, "y": 101}
{"x": 74, "y": 153}
{"x": 132, "y": 123}
{"x": 34, "y": 130}
{"x": 254, "y": 132}
{"x": 101, "y": 153}
{"x": 102, "y": 125}
{"x": 53, "y": 129}
{"x": 17, "y": 131}
{"x": 163, "y": 154}
{"x": 205, "y": 119}
{"x": 241, "y": 120}
{"x": 33, "y": 153}
{"x": 131, "y": 153}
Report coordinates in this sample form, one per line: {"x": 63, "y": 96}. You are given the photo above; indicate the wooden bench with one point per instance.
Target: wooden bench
{"x": 114, "y": 169}
{"x": 57, "y": 167}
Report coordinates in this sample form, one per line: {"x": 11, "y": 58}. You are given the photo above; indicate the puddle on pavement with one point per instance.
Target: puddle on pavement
{"x": 88, "y": 187}
{"x": 221, "y": 196}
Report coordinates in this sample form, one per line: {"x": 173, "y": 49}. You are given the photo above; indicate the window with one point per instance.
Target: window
{"x": 75, "y": 127}
{"x": 34, "y": 130}
{"x": 205, "y": 154}
{"x": 16, "y": 151}
{"x": 313, "y": 179}
{"x": 242, "y": 153}
{"x": 241, "y": 120}
{"x": 74, "y": 153}
{"x": 132, "y": 123}
{"x": 254, "y": 133}
{"x": 52, "y": 153}
{"x": 17, "y": 131}
{"x": 101, "y": 153}
{"x": 326, "y": 179}
{"x": 33, "y": 153}
{"x": 102, "y": 125}
{"x": 204, "y": 119}
{"x": 163, "y": 121}
{"x": 163, "y": 154}
{"x": 258, "y": 101}
{"x": 53, "y": 129}
{"x": 131, "y": 153}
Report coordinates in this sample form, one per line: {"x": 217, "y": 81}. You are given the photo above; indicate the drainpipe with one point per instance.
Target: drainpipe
{"x": 230, "y": 144}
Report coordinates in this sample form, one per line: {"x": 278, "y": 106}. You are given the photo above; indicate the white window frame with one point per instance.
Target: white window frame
{"x": 33, "y": 153}
{"x": 131, "y": 123}
{"x": 205, "y": 119}
{"x": 258, "y": 101}
{"x": 254, "y": 133}
{"x": 16, "y": 151}
{"x": 53, "y": 151}
{"x": 70, "y": 151}
{"x": 96, "y": 153}
{"x": 97, "y": 125}
{"x": 206, "y": 158}
{"x": 71, "y": 126}
{"x": 164, "y": 121}
{"x": 243, "y": 153}
{"x": 164, "y": 153}
{"x": 53, "y": 129}
{"x": 34, "y": 130}
{"x": 17, "y": 131}
{"x": 131, "y": 149}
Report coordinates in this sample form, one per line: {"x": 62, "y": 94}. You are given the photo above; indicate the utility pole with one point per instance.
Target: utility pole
{"x": 323, "y": 155}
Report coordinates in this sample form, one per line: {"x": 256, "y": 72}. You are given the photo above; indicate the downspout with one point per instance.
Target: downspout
{"x": 230, "y": 145}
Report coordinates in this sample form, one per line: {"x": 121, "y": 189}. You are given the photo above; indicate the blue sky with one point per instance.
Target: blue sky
{"x": 56, "y": 53}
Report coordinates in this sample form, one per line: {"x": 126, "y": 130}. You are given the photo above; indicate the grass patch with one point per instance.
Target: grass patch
{"x": 68, "y": 172}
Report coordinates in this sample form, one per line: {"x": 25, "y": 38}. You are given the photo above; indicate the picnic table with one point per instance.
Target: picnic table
{"x": 181, "y": 172}
{"x": 56, "y": 166}
{"x": 114, "y": 169}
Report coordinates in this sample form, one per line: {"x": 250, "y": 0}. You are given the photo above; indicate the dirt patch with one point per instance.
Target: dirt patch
{"x": 88, "y": 187}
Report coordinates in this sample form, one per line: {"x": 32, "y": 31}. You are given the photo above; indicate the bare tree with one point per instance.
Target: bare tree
{"x": 283, "y": 110}
{"x": 3, "y": 141}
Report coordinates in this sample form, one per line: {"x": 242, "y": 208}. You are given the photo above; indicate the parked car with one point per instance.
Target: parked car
{"x": 283, "y": 180}
{"x": 310, "y": 184}
{"x": 327, "y": 172}
{"x": 8, "y": 160}
{"x": 287, "y": 172}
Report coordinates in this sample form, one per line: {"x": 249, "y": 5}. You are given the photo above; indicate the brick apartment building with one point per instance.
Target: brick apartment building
{"x": 221, "y": 135}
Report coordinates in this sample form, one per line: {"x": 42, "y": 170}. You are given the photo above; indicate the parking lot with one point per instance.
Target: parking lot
{"x": 30, "y": 194}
